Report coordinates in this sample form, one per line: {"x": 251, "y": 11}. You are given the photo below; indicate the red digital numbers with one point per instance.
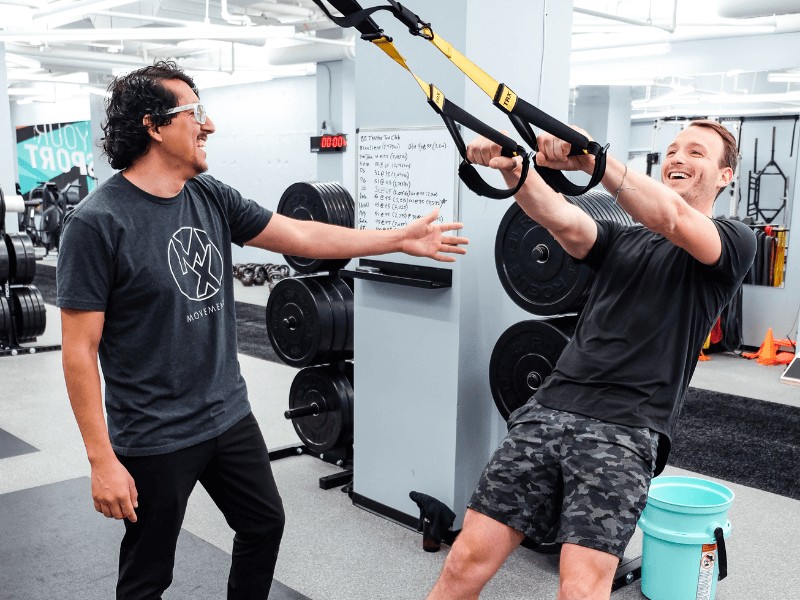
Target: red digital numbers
{"x": 333, "y": 141}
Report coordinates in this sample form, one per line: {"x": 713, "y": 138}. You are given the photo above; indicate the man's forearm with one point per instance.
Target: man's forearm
{"x": 82, "y": 377}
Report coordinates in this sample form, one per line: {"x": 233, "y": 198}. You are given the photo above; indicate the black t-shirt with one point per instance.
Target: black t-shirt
{"x": 160, "y": 269}
{"x": 639, "y": 336}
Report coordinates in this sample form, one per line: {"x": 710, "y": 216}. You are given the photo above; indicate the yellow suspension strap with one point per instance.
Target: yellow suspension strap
{"x": 521, "y": 113}
{"x": 451, "y": 114}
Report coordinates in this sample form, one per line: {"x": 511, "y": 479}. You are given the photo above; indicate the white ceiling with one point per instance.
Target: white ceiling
{"x": 672, "y": 53}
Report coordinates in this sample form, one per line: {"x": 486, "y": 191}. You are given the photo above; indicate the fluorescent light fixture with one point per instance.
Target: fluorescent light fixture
{"x": 784, "y": 77}
{"x": 621, "y": 53}
{"x": 16, "y": 60}
{"x": 218, "y": 32}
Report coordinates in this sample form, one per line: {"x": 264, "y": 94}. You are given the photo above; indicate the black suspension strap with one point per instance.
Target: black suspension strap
{"x": 522, "y": 114}
{"x": 451, "y": 114}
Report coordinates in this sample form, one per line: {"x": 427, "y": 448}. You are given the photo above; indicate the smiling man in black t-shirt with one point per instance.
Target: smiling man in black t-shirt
{"x": 577, "y": 462}
{"x": 144, "y": 282}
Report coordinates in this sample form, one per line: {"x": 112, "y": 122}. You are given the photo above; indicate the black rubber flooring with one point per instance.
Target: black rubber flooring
{"x": 56, "y": 547}
{"x": 13, "y": 446}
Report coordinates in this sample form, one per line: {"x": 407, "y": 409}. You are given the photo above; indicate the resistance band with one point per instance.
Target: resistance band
{"x": 521, "y": 113}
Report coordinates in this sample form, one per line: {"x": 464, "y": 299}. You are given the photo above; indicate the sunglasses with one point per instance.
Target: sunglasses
{"x": 199, "y": 111}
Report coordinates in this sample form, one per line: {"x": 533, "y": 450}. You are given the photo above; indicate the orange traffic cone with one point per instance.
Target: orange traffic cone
{"x": 766, "y": 355}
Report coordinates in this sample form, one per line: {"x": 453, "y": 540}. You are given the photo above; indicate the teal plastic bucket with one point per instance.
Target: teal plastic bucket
{"x": 685, "y": 523}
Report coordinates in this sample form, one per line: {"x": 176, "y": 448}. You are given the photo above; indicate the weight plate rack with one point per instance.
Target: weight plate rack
{"x": 23, "y": 316}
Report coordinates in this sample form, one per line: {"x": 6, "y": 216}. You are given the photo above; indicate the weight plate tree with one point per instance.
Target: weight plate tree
{"x": 310, "y": 320}
{"x": 321, "y": 406}
{"x": 326, "y": 202}
{"x": 523, "y": 357}
{"x": 535, "y": 271}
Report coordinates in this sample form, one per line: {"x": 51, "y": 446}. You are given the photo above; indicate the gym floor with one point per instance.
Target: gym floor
{"x": 53, "y": 545}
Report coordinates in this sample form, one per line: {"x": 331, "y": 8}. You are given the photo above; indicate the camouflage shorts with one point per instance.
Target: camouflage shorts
{"x": 566, "y": 478}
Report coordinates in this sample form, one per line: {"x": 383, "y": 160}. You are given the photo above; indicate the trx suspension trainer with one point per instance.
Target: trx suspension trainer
{"x": 521, "y": 113}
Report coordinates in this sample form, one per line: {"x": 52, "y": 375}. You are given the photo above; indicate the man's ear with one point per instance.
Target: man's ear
{"x": 726, "y": 176}
{"x": 152, "y": 129}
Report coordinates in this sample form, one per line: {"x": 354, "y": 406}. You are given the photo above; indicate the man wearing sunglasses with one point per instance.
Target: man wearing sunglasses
{"x": 144, "y": 282}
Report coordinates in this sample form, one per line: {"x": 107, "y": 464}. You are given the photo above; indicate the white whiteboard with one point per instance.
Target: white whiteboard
{"x": 403, "y": 174}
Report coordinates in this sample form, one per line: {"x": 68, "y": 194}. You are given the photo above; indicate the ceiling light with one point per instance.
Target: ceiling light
{"x": 784, "y": 77}
{"x": 623, "y": 52}
{"x": 219, "y": 32}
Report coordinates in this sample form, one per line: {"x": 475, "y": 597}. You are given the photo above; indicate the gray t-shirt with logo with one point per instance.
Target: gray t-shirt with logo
{"x": 161, "y": 271}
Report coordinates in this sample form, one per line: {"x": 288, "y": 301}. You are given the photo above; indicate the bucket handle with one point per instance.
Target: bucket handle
{"x": 723, "y": 554}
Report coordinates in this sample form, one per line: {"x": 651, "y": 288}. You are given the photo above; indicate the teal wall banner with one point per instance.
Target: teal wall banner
{"x": 57, "y": 152}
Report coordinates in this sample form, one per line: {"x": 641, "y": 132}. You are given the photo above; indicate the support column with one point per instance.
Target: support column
{"x": 424, "y": 415}
{"x": 8, "y": 158}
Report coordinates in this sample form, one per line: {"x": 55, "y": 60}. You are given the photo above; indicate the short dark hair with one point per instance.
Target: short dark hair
{"x": 133, "y": 96}
{"x": 730, "y": 153}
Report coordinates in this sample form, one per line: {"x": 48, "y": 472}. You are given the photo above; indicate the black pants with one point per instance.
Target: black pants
{"x": 235, "y": 471}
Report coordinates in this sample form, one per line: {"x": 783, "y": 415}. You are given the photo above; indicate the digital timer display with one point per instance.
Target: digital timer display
{"x": 329, "y": 143}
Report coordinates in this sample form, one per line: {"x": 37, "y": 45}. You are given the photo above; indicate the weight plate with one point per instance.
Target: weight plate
{"x": 329, "y": 196}
{"x": 331, "y": 391}
{"x": 345, "y": 292}
{"x": 5, "y": 264}
{"x": 311, "y": 202}
{"x": 299, "y": 321}
{"x": 523, "y": 357}
{"x": 22, "y": 258}
{"x": 304, "y": 202}
{"x": 338, "y": 316}
{"x": 5, "y": 318}
{"x": 39, "y": 310}
{"x": 534, "y": 269}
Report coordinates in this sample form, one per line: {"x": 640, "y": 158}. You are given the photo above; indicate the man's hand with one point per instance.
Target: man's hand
{"x": 553, "y": 153}
{"x": 484, "y": 152}
{"x": 113, "y": 490}
{"x": 423, "y": 237}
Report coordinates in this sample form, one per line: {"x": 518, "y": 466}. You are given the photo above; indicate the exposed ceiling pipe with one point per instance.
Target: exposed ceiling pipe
{"x": 233, "y": 19}
{"x": 146, "y": 18}
{"x": 745, "y": 9}
{"x": 290, "y": 10}
{"x": 310, "y": 54}
{"x": 611, "y": 17}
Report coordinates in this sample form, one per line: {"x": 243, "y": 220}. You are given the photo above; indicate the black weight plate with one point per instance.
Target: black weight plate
{"x": 556, "y": 285}
{"x": 327, "y": 388}
{"x": 523, "y": 357}
{"x": 299, "y": 321}
{"x": 339, "y": 315}
{"x": 5, "y": 264}
{"x": 348, "y": 204}
{"x": 22, "y": 258}
{"x": 39, "y": 310}
{"x": 5, "y": 318}
{"x": 345, "y": 292}
{"x": 329, "y": 196}
{"x": 31, "y": 324}
{"x": 303, "y": 201}
{"x": 19, "y": 307}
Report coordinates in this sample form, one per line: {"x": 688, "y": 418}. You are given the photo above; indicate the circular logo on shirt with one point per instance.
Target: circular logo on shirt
{"x": 195, "y": 262}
